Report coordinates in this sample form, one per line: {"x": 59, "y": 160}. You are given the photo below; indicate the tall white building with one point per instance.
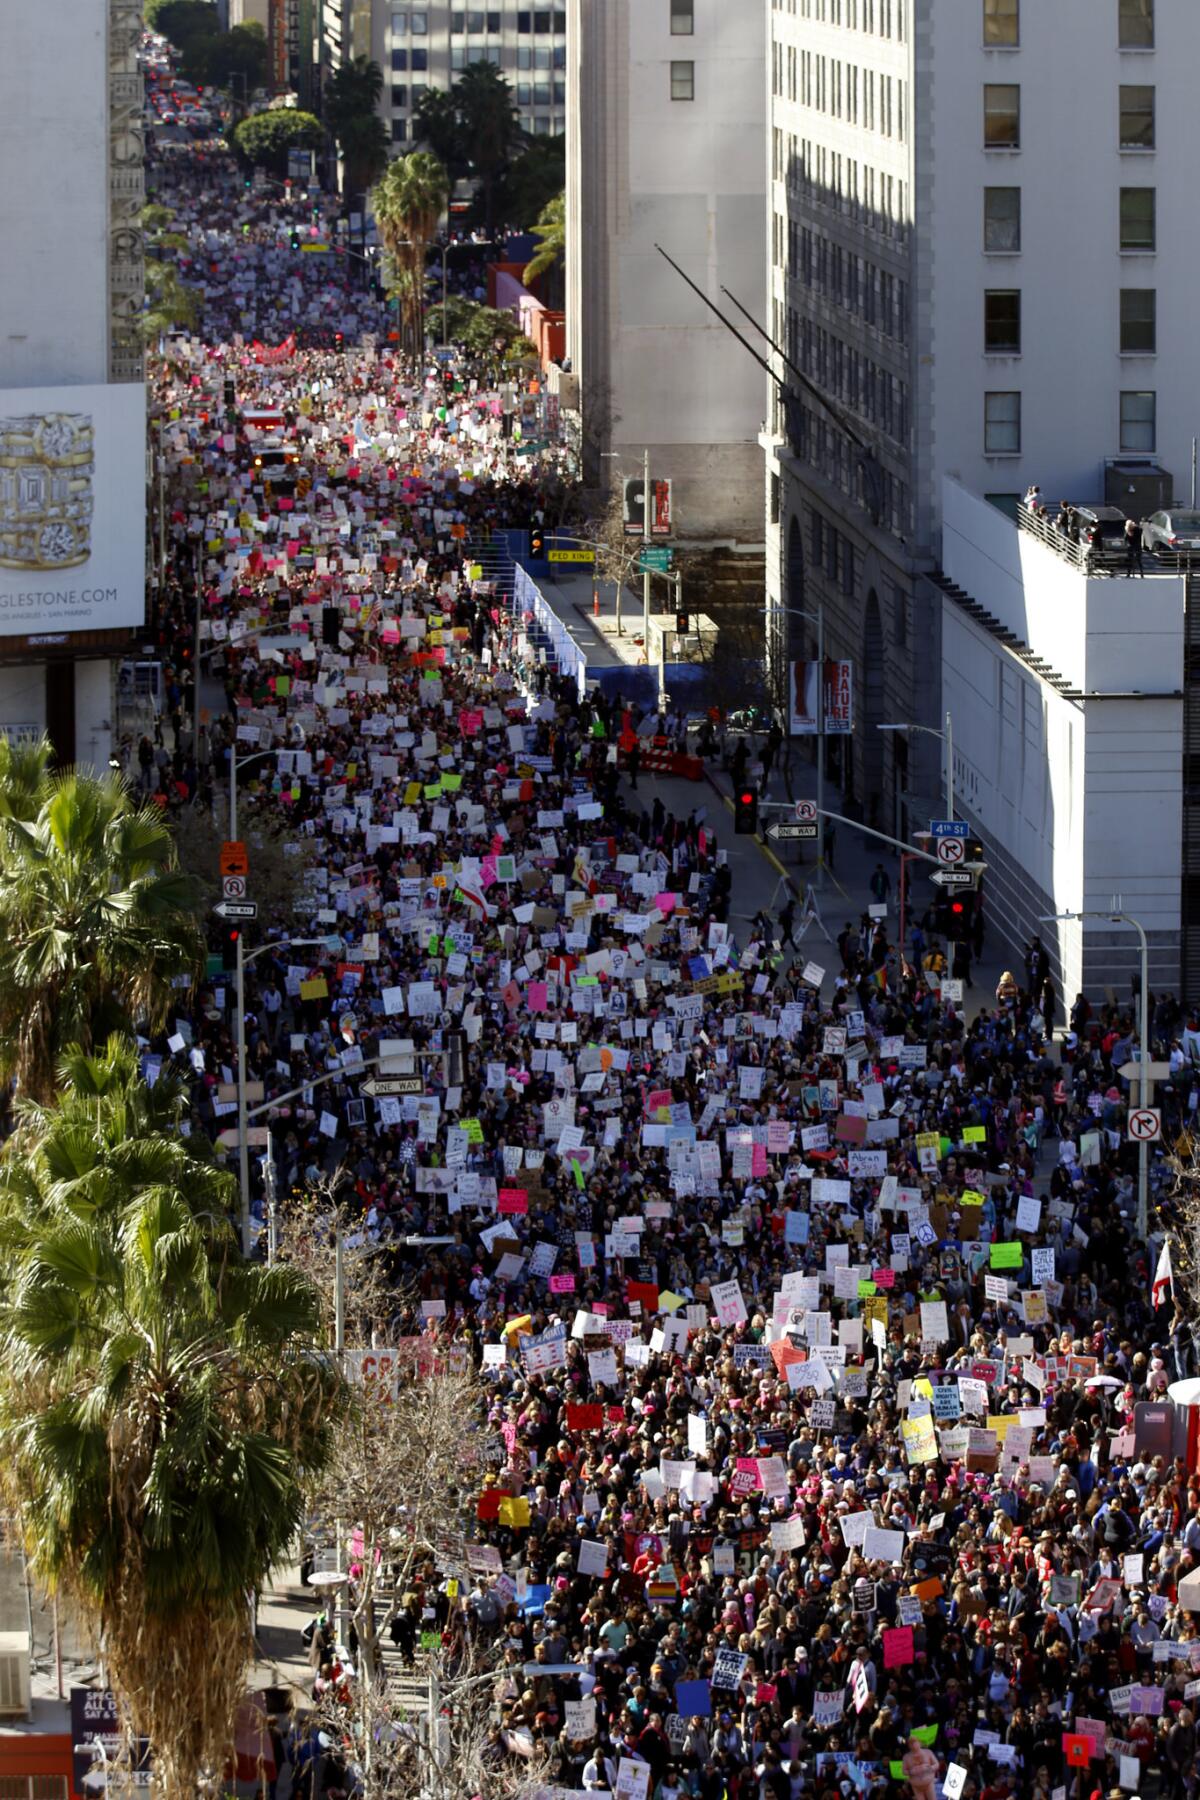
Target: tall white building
{"x": 72, "y": 390}
{"x": 665, "y": 146}
{"x": 428, "y": 46}
{"x": 975, "y": 256}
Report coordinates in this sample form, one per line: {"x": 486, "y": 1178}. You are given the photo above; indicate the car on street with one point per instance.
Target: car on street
{"x": 1170, "y": 532}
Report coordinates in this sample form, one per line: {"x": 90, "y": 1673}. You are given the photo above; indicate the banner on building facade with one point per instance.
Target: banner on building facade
{"x": 838, "y": 695}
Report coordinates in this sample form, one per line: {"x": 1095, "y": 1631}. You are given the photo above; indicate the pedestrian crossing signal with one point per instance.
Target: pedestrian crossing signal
{"x": 683, "y": 624}
{"x": 537, "y": 542}
{"x": 745, "y": 813}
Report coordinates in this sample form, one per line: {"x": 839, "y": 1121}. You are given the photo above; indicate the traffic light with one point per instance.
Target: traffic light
{"x": 745, "y": 812}
{"x": 537, "y": 542}
{"x": 229, "y": 949}
{"x": 295, "y": 240}
{"x": 331, "y": 626}
{"x": 683, "y": 624}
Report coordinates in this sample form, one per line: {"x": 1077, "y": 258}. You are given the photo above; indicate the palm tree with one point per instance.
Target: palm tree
{"x": 551, "y": 228}
{"x": 351, "y": 104}
{"x": 163, "y": 1404}
{"x": 408, "y": 204}
{"x": 24, "y": 777}
{"x": 96, "y": 922}
{"x": 491, "y": 129}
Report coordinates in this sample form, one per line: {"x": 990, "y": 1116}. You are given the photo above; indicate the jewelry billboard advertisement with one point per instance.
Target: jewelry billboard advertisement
{"x": 72, "y": 508}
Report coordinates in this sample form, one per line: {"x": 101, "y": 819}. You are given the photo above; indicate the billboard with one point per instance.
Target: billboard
{"x": 72, "y": 508}
{"x": 838, "y": 692}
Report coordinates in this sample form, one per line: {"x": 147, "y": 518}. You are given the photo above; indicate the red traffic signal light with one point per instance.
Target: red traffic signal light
{"x": 745, "y": 812}
{"x": 683, "y": 624}
{"x": 229, "y": 948}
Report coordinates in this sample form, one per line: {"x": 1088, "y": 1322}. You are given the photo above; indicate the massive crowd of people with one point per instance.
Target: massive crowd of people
{"x": 826, "y": 1365}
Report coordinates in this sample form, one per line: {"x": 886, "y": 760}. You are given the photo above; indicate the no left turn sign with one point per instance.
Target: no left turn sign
{"x": 1145, "y": 1124}
{"x": 951, "y": 850}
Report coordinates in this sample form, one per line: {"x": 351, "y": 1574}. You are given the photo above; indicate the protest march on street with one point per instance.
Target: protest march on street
{"x": 827, "y": 1441}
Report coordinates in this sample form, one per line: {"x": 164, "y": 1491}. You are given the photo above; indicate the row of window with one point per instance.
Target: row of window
{"x": 1002, "y": 321}
{"x": 1002, "y": 116}
{"x": 490, "y": 19}
{"x": 1002, "y": 24}
{"x": 831, "y": 86}
{"x": 883, "y": 18}
{"x": 855, "y": 283}
{"x": 847, "y": 374}
{"x": 537, "y": 57}
{"x": 527, "y": 93}
{"x": 542, "y": 125}
{"x": 1137, "y": 227}
{"x": 827, "y": 178}
{"x": 1137, "y": 426}
{"x": 820, "y": 443}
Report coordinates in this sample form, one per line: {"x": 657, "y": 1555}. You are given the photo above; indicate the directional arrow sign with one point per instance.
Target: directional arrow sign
{"x": 237, "y": 909}
{"x": 381, "y": 1085}
{"x": 1153, "y": 1071}
{"x": 952, "y": 878}
{"x": 789, "y": 833}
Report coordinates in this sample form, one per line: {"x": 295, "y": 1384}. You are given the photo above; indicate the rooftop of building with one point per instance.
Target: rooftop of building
{"x": 1064, "y": 528}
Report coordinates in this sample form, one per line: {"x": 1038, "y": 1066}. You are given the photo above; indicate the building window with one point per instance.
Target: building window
{"x": 458, "y": 56}
{"x": 420, "y": 24}
{"x": 541, "y": 56}
{"x": 1002, "y": 321}
{"x": 1002, "y": 116}
{"x": 420, "y": 59}
{"x": 683, "y": 18}
{"x": 475, "y": 21}
{"x": 541, "y": 23}
{"x": 1001, "y": 22}
{"x": 1137, "y": 421}
{"x": 1002, "y": 218}
{"x": 541, "y": 125}
{"x": 560, "y": 21}
{"x": 493, "y": 23}
{"x": 1135, "y": 24}
{"x": 399, "y": 131}
{"x": 1137, "y": 218}
{"x": 524, "y": 93}
{"x": 541, "y": 93}
{"x": 399, "y": 24}
{"x": 1002, "y": 424}
{"x": 399, "y": 59}
{"x": 524, "y": 56}
{"x": 683, "y": 81}
{"x": 1139, "y": 310}
{"x": 399, "y": 95}
{"x": 458, "y": 24}
{"x": 1137, "y": 118}
{"x": 525, "y": 21}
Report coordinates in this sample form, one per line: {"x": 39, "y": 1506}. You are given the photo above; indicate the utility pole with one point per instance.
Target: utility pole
{"x": 243, "y": 1129}
{"x": 199, "y": 576}
{"x": 949, "y": 744}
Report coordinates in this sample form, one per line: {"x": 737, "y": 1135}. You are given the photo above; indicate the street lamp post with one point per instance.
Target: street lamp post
{"x": 947, "y": 737}
{"x": 236, "y": 763}
{"x": 818, "y": 619}
{"x": 1145, "y": 1087}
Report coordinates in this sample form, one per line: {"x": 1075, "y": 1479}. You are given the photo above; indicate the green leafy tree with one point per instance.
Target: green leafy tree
{"x": 240, "y": 53}
{"x": 408, "y": 203}
{"x": 181, "y": 22}
{"x": 533, "y": 180}
{"x": 351, "y": 106}
{"x": 24, "y": 777}
{"x": 96, "y": 922}
{"x": 264, "y": 139}
{"x": 163, "y": 1404}
{"x": 171, "y": 305}
{"x": 551, "y": 229}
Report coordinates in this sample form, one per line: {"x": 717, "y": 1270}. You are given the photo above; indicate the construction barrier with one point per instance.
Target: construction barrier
{"x": 656, "y": 759}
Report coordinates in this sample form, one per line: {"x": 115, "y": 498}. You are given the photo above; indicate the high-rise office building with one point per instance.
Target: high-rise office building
{"x": 665, "y": 147}
{"x": 975, "y": 263}
{"x": 422, "y": 47}
{"x": 72, "y": 388}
